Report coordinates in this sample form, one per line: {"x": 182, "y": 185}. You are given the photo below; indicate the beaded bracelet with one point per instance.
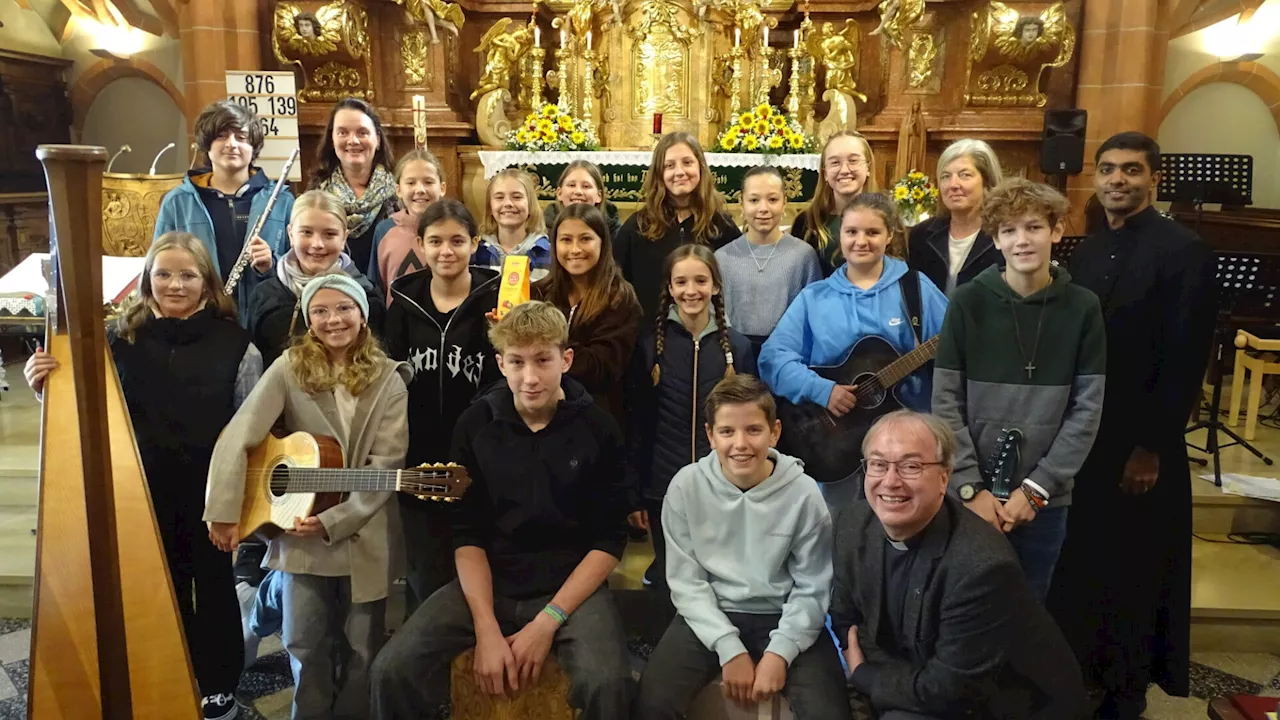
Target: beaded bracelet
{"x": 560, "y": 616}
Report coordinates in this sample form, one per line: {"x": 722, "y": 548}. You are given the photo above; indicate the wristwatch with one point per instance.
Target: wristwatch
{"x": 969, "y": 491}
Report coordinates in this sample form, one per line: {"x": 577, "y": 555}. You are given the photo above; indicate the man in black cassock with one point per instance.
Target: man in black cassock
{"x": 1122, "y": 591}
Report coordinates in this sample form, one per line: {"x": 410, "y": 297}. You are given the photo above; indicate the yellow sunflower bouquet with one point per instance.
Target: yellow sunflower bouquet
{"x": 916, "y": 197}
{"x": 764, "y": 129}
{"x": 548, "y": 129}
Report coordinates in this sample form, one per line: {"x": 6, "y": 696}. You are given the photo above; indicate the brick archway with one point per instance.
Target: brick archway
{"x": 92, "y": 81}
{"x": 1263, "y": 81}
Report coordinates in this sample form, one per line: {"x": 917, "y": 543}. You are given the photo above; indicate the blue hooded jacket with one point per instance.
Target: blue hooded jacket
{"x": 828, "y": 317}
{"x": 182, "y": 209}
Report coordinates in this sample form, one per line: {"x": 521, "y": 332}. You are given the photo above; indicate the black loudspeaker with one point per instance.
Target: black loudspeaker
{"x": 1062, "y": 143}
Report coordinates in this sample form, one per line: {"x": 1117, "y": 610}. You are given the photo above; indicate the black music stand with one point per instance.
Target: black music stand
{"x": 1205, "y": 178}
{"x": 1061, "y": 252}
{"x": 1248, "y": 292}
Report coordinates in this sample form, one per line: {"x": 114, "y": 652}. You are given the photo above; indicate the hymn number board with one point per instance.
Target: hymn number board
{"x": 272, "y": 96}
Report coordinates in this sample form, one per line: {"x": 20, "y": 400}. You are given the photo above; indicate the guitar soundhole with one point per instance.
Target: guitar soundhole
{"x": 870, "y": 394}
{"x": 279, "y": 484}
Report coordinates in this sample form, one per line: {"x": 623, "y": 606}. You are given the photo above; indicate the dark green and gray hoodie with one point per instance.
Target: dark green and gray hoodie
{"x": 980, "y": 382}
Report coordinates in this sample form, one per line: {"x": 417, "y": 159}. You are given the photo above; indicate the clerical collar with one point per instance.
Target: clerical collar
{"x": 910, "y": 543}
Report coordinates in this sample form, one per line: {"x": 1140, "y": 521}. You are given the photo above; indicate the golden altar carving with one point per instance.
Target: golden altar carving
{"x": 329, "y": 43}
{"x": 1008, "y": 53}
{"x": 895, "y": 17}
{"x": 130, "y": 203}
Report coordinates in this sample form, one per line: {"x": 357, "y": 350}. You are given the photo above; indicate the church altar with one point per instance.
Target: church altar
{"x": 624, "y": 170}
{"x": 458, "y": 77}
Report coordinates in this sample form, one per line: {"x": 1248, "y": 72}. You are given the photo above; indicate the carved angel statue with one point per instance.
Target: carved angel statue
{"x": 896, "y": 16}
{"x": 1023, "y": 38}
{"x": 448, "y": 14}
{"x": 503, "y": 52}
{"x": 306, "y": 33}
{"x": 838, "y": 53}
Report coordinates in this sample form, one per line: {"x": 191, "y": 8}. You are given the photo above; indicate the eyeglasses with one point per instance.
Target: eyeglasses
{"x": 907, "y": 469}
{"x": 185, "y": 278}
{"x": 854, "y": 161}
{"x": 320, "y": 314}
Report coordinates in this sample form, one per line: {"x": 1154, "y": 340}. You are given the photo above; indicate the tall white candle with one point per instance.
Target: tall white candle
{"x": 795, "y": 39}
{"x": 737, "y": 37}
{"x": 588, "y": 39}
{"x": 537, "y": 36}
{"x": 766, "y": 36}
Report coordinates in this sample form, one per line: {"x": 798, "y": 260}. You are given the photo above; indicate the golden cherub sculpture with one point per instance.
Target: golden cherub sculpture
{"x": 307, "y": 33}
{"x": 448, "y": 14}
{"x": 896, "y": 16}
{"x": 838, "y": 53}
{"x": 1008, "y": 54}
{"x": 503, "y": 51}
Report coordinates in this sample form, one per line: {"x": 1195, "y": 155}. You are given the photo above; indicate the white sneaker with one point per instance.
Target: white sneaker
{"x": 220, "y": 707}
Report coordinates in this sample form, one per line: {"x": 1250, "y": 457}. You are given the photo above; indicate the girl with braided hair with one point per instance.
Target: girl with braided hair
{"x": 677, "y": 362}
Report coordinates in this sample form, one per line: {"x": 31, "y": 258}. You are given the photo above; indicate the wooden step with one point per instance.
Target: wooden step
{"x": 1218, "y": 512}
{"x": 17, "y": 560}
{"x": 1235, "y": 596}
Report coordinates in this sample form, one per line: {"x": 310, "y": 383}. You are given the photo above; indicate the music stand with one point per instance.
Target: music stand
{"x": 1248, "y": 292}
{"x": 1199, "y": 178}
{"x": 1061, "y": 252}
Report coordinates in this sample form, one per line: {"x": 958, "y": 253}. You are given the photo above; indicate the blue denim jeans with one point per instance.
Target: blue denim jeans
{"x": 1038, "y": 544}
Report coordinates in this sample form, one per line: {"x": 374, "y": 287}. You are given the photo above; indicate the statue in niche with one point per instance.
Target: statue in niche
{"x": 895, "y": 17}
{"x": 503, "y": 51}
{"x": 448, "y": 14}
{"x": 838, "y": 53}
{"x": 920, "y": 60}
{"x": 1008, "y": 54}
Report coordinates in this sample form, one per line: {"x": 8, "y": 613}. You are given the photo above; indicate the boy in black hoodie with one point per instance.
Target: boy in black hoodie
{"x": 436, "y": 323}
{"x": 536, "y": 536}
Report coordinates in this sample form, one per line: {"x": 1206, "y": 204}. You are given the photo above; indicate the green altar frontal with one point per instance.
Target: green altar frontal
{"x": 624, "y": 171}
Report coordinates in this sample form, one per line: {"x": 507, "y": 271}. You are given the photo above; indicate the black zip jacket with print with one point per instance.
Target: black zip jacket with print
{"x": 451, "y": 362}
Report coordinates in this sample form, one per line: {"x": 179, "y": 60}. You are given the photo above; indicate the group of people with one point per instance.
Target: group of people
{"x": 623, "y": 399}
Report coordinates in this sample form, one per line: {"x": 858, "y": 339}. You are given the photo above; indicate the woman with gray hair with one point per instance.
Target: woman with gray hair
{"x": 951, "y": 249}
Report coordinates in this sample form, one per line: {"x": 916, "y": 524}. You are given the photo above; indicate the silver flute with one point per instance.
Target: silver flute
{"x": 242, "y": 262}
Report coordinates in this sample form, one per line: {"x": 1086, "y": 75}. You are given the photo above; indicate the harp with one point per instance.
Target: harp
{"x": 107, "y": 640}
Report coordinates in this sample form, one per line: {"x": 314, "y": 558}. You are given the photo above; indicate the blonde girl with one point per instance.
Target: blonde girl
{"x": 582, "y": 183}
{"x": 419, "y": 182}
{"x": 513, "y": 224}
{"x": 335, "y": 567}
{"x": 317, "y": 236}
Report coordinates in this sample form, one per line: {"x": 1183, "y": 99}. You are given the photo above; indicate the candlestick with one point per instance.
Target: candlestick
{"x": 588, "y": 61}
{"x": 657, "y": 123}
{"x": 536, "y": 58}
{"x": 420, "y": 121}
{"x": 735, "y": 86}
{"x": 565, "y": 101}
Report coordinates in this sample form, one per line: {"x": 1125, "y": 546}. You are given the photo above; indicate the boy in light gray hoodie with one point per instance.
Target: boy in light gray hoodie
{"x": 749, "y": 567}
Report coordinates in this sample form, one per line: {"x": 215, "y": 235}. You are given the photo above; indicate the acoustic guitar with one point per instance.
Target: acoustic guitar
{"x": 300, "y": 475}
{"x": 830, "y": 446}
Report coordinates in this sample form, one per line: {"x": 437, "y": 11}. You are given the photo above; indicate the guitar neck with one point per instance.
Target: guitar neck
{"x": 893, "y": 373}
{"x": 338, "y": 480}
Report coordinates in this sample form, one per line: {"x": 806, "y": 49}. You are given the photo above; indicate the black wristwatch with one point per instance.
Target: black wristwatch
{"x": 969, "y": 491}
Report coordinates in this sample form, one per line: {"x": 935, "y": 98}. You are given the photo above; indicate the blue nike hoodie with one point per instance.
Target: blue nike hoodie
{"x": 822, "y": 324}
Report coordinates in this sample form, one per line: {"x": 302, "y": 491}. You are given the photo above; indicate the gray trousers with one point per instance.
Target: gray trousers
{"x": 411, "y": 675}
{"x": 331, "y": 644}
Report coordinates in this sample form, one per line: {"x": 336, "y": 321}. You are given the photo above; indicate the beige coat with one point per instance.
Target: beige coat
{"x": 364, "y": 530}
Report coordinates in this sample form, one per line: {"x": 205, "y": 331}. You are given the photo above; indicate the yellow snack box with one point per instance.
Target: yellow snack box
{"x": 515, "y": 284}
